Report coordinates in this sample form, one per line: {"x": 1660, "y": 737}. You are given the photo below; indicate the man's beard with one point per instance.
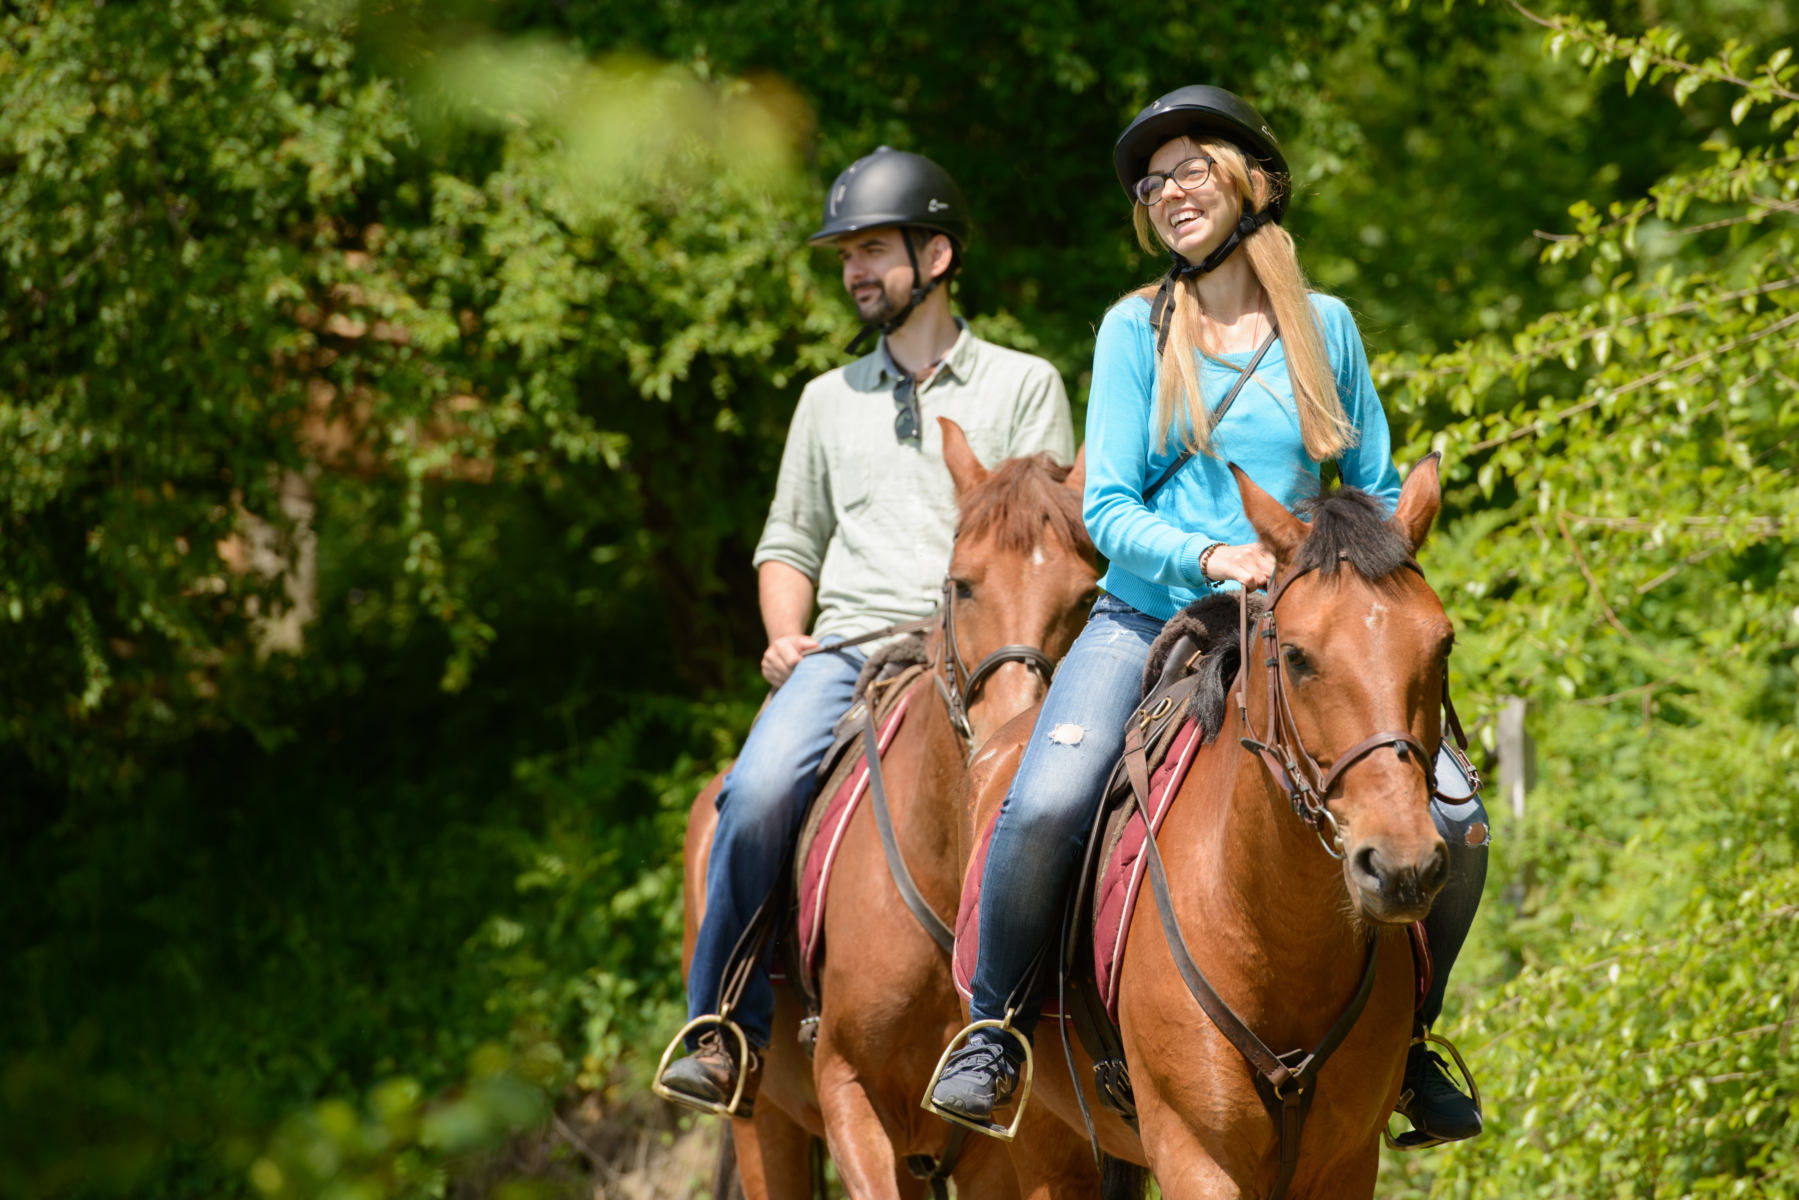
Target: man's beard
{"x": 877, "y": 310}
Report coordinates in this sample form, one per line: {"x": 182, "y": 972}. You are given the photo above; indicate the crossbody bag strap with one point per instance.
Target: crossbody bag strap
{"x": 1230, "y": 398}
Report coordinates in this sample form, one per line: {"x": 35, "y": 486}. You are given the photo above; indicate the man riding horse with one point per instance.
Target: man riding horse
{"x": 862, "y": 521}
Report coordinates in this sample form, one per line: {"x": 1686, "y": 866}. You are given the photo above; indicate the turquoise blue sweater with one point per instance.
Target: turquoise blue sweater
{"x": 1153, "y": 550}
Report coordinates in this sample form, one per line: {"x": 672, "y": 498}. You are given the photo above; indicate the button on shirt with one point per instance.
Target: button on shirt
{"x": 870, "y": 518}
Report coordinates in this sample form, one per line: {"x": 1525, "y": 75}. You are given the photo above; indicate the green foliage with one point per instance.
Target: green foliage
{"x": 1629, "y": 570}
{"x": 389, "y": 399}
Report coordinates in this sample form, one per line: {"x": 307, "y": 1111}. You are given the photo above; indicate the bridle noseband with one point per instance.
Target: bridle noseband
{"x": 1294, "y": 771}
{"x": 959, "y": 685}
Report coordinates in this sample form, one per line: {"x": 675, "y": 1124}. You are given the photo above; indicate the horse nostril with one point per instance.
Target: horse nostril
{"x": 1368, "y": 867}
{"x": 1436, "y": 872}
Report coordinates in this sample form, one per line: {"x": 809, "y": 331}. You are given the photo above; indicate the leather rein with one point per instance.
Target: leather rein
{"x": 958, "y": 687}
{"x": 1286, "y": 1083}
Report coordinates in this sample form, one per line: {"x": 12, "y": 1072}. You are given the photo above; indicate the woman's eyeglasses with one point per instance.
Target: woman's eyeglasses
{"x": 905, "y": 421}
{"x": 1187, "y": 176}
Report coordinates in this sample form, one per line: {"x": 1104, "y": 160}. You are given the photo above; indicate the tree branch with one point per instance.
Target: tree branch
{"x": 1561, "y": 523}
{"x": 1551, "y": 349}
{"x": 1536, "y": 427}
{"x": 1609, "y": 43}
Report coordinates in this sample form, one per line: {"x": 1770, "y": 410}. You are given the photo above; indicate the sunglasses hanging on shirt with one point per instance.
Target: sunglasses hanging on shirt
{"x": 906, "y": 420}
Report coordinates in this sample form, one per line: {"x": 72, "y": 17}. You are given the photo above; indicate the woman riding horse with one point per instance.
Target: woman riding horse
{"x": 1228, "y": 356}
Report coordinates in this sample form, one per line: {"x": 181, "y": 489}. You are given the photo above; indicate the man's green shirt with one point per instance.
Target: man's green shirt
{"x": 871, "y": 518}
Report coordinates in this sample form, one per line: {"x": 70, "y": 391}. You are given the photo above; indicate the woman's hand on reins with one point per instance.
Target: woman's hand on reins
{"x": 1251, "y": 565}
{"x": 783, "y": 655}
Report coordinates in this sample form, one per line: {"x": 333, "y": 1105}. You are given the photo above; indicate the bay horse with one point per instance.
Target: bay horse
{"x": 1280, "y": 916}
{"x": 1021, "y": 574}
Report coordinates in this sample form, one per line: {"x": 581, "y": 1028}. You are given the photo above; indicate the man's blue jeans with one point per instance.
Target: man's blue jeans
{"x": 1048, "y": 811}
{"x": 759, "y": 811}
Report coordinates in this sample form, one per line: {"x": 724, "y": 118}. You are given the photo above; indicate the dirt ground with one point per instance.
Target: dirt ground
{"x": 643, "y": 1153}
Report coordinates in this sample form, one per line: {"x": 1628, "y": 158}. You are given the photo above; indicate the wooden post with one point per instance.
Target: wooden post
{"x": 1517, "y": 755}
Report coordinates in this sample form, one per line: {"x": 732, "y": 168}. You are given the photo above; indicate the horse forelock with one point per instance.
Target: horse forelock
{"x": 1350, "y": 526}
{"x": 1017, "y": 501}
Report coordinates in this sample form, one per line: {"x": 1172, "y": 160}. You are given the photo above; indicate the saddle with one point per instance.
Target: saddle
{"x": 885, "y": 688}
{"x": 888, "y": 694}
{"x": 1181, "y": 700}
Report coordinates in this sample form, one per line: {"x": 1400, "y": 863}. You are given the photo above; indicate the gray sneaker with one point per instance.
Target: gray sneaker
{"x": 979, "y": 1077}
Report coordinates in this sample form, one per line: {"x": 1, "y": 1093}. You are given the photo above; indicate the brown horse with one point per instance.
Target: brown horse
{"x": 1021, "y": 574}
{"x": 1280, "y": 927}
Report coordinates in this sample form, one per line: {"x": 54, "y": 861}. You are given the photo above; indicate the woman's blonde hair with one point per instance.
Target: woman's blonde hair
{"x": 1323, "y": 424}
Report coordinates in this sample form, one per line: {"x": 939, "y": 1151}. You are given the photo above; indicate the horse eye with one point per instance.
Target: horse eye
{"x": 964, "y": 590}
{"x": 1297, "y": 662}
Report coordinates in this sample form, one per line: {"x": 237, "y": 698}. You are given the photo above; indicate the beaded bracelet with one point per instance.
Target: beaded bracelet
{"x": 1205, "y": 556}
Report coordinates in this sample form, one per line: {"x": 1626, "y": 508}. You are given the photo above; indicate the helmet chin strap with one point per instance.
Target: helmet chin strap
{"x": 919, "y": 292}
{"x": 1161, "y": 312}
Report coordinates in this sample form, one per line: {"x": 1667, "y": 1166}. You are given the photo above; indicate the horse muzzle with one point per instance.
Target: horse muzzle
{"x": 1392, "y": 887}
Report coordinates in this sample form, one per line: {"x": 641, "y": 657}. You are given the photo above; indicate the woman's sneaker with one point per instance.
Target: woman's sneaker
{"x": 980, "y": 1077}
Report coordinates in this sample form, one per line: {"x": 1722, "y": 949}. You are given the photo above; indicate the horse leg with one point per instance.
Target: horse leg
{"x": 1050, "y": 1160}
{"x": 859, "y": 1140}
{"x": 773, "y": 1155}
{"x": 1184, "y": 1169}
{"x": 1359, "y": 1175}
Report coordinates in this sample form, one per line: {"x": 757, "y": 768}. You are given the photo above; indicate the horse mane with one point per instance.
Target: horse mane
{"x": 1210, "y": 623}
{"x": 1350, "y": 526}
{"x": 1017, "y": 499}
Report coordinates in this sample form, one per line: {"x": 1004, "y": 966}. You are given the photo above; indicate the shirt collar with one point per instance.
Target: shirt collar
{"x": 958, "y": 362}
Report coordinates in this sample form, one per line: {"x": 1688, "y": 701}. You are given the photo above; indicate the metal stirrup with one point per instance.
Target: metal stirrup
{"x": 1417, "y": 1139}
{"x": 729, "y": 1108}
{"x": 1004, "y": 1133}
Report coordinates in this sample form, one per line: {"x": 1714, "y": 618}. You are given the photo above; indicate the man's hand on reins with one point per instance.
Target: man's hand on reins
{"x": 1251, "y": 565}
{"x": 783, "y": 654}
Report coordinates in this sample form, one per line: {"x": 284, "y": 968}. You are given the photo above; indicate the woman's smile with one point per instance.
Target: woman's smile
{"x": 1191, "y": 223}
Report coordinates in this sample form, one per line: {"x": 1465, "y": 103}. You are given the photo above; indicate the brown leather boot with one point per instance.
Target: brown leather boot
{"x": 709, "y": 1075}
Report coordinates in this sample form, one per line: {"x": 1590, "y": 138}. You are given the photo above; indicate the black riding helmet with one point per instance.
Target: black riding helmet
{"x": 891, "y": 188}
{"x": 1195, "y": 111}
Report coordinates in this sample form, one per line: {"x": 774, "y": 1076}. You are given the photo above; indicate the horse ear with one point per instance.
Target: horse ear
{"x": 1077, "y": 474}
{"x": 1419, "y": 500}
{"x": 964, "y": 467}
{"x": 1279, "y": 529}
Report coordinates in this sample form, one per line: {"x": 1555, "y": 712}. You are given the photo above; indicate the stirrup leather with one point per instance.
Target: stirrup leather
{"x": 730, "y": 1108}
{"x": 1004, "y": 1133}
{"x": 1417, "y": 1139}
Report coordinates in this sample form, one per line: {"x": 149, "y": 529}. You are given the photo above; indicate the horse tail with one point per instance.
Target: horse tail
{"x": 1121, "y": 1180}
{"x": 726, "y": 1184}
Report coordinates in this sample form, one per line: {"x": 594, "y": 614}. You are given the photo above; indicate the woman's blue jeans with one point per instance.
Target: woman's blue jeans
{"x": 1048, "y": 811}
{"x": 760, "y": 808}
{"x": 1043, "y": 823}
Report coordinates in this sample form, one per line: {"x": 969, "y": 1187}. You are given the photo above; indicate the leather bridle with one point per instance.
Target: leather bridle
{"x": 1298, "y": 775}
{"x": 959, "y": 685}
